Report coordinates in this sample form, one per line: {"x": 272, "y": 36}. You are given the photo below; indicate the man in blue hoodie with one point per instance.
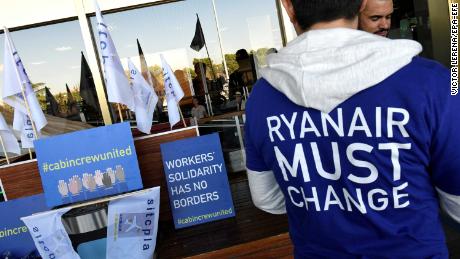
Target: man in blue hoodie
{"x": 355, "y": 137}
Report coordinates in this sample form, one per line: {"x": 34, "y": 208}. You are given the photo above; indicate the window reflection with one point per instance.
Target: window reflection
{"x": 53, "y": 58}
{"x": 249, "y": 31}
{"x": 410, "y": 20}
{"x": 249, "y": 26}
{"x": 167, "y": 29}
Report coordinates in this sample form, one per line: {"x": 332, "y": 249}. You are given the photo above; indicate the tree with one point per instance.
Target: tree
{"x": 232, "y": 65}
{"x": 218, "y": 68}
{"x": 61, "y": 98}
{"x": 76, "y": 93}
{"x": 39, "y": 89}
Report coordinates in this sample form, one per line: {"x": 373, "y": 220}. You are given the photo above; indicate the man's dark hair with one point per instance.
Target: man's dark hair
{"x": 241, "y": 54}
{"x": 309, "y": 12}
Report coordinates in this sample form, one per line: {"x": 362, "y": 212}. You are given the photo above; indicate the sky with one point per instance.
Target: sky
{"x": 51, "y": 54}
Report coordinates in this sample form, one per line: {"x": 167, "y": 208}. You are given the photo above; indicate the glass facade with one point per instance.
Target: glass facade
{"x": 52, "y": 56}
{"x": 254, "y": 28}
{"x": 251, "y": 26}
{"x": 158, "y": 34}
{"x": 411, "y": 21}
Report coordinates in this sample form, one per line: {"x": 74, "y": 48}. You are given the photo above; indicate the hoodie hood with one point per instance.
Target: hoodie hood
{"x": 320, "y": 69}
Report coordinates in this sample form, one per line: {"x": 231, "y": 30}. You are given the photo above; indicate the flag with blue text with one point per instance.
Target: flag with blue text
{"x": 23, "y": 124}
{"x": 144, "y": 67}
{"x": 116, "y": 82}
{"x": 10, "y": 142}
{"x": 132, "y": 225}
{"x": 174, "y": 92}
{"x": 145, "y": 99}
{"x": 49, "y": 234}
{"x": 17, "y": 84}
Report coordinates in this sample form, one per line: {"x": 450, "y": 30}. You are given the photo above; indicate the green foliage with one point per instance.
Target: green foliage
{"x": 232, "y": 65}
{"x": 155, "y": 69}
{"x": 191, "y": 71}
{"x": 61, "y": 97}
{"x": 75, "y": 90}
{"x": 39, "y": 89}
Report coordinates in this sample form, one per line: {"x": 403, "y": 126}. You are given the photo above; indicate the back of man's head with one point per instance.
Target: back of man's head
{"x": 310, "y": 12}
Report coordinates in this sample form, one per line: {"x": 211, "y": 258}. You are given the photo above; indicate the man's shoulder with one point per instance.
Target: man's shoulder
{"x": 427, "y": 67}
{"x": 261, "y": 91}
{"x": 263, "y": 87}
{"x": 422, "y": 75}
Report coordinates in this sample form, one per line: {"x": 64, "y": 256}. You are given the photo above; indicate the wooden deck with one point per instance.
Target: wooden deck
{"x": 251, "y": 234}
{"x": 249, "y": 225}
{"x": 279, "y": 246}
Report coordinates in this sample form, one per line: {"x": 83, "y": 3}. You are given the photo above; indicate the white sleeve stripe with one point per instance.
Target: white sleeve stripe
{"x": 450, "y": 204}
{"x": 265, "y": 192}
{"x": 258, "y": 172}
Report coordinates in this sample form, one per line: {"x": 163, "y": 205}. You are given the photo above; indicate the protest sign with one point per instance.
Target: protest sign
{"x": 88, "y": 164}
{"x": 14, "y": 235}
{"x": 133, "y": 224}
{"x": 197, "y": 181}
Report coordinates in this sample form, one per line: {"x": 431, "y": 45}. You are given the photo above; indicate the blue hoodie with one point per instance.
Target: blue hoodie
{"x": 357, "y": 140}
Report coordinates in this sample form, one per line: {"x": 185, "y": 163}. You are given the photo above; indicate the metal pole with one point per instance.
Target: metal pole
{"x": 92, "y": 58}
{"x": 240, "y": 138}
{"x": 245, "y": 93}
{"x": 190, "y": 82}
{"x": 256, "y": 65}
{"x": 281, "y": 19}
{"x": 206, "y": 92}
{"x": 207, "y": 51}
{"x": 4, "y": 150}
{"x": 287, "y": 29}
{"x": 210, "y": 61}
{"x": 211, "y": 111}
{"x": 182, "y": 116}
{"x": 220, "y": 40}
{"x": 119, "y": 112}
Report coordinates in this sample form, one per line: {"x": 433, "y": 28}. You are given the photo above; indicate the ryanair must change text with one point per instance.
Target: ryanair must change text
{"x": 361, "y": 191}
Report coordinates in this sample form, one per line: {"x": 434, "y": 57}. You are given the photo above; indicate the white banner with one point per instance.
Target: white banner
{"x": 3, "y": 192}
{"x": 173, "y": 91}
{"x": 23, "y": 124}
{"x": 9, "y": 140}
{"x": 116, "y": 82}
{"x": 145, "y": 99}
{"x": 132, "y": 225}
{"x": 49, "y": 235}
{"x": 15, "y": 79}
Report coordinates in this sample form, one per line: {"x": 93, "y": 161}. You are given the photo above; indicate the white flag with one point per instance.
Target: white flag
{"x": 15, "y": 78}
{"x": 132, "y": 225}
{"x": 173, "y": 91}
{"x": 116, "y": 82}
{"x": 23, "y": 124}
{"x": 49, "y": 235}
{"x": 9, "y": 140}
{"x": 145, "y": 99}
